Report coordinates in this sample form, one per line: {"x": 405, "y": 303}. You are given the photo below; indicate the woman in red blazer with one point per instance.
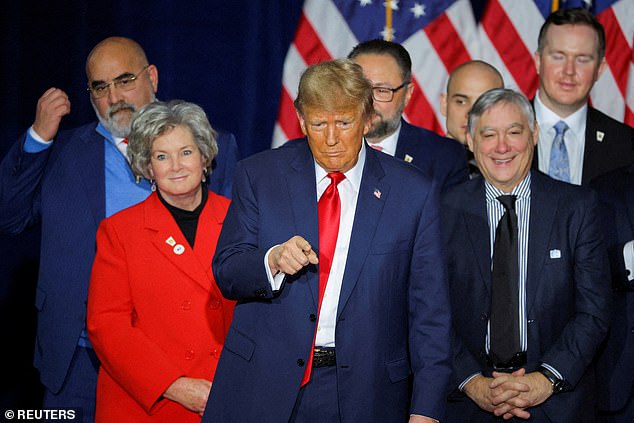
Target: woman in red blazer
{"x": 156, "y": 318}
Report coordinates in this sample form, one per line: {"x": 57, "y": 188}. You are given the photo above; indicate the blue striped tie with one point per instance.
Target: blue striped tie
{"x": 559, "y": 167}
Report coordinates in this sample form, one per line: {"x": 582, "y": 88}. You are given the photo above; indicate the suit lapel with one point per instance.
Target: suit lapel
{"x": 302, "y": 190}
{"x": 629, "y": 198}
{"x": 477, "y": 223}
{"x": 171, "y": 243}
{"x": 402, "y": 147}
{"x": 366, "y": 219}
{"x": 544, "y": 204}
{"x": 91, "y": 169}
{"x": 207, "y": 232}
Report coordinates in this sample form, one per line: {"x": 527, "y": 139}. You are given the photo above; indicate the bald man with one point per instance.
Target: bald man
{"x": 69, "y": 181}
{"x": 465, "y": 84}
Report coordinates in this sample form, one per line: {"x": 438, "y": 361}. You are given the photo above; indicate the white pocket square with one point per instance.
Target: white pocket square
{"x": 555, "y": 254}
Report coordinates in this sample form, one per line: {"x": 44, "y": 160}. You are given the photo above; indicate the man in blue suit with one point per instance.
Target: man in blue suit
{"x": 558, "y": 284}
{"x": 615, "y": 364}
{"x": 388, "y": 66}
{"x": 69, "y": 182}
{"x": 380, "y": 325}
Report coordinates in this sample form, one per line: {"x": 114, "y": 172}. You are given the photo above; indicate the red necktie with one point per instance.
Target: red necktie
{"x": 125, "y": 140}
{"x": 329, "y": 211}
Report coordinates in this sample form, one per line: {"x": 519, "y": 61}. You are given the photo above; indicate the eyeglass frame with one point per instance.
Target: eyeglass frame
{"x": 116, "y": 81}
{"x": 392, "y": 90}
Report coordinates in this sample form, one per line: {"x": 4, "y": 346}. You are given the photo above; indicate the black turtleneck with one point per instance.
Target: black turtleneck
{"x": 187, "y": 220}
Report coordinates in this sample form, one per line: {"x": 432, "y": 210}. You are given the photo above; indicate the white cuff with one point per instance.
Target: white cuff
{"x": 628, "y": 259}
{"x": 275, "y": 281}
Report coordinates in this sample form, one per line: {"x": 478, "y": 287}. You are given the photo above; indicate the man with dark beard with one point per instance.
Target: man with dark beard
{"x": 69, "y": 181}
{"x": 388, "y": 66}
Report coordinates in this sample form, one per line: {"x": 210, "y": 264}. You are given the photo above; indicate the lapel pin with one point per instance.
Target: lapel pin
{"x": 555, "y": 254}
{"x": 179, "y": 249}
{"x": 600, "y": 136}
{"x": 408, "y": 158}
{"x": 170, "y": 241}
{"x": 377, "y": 193}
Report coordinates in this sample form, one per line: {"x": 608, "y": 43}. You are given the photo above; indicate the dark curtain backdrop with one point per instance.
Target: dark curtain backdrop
{"x": 226, "y": 56}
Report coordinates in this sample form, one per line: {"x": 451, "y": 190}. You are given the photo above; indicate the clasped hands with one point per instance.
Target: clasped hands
{"x": 509, "y": 394}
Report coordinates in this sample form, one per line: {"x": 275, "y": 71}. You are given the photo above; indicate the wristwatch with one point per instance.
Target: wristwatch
{"x": 558, "y": 384}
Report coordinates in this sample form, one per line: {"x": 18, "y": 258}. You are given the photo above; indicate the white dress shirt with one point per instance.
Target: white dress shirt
{"x": 574, "y": 138}
{"x": 348, "y": 194}
{"x": 388, "y": 145}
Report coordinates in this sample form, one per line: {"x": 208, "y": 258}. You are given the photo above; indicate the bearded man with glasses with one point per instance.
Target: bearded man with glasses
{"x": 388, "y": 66}
{"x": 70, "y": 181}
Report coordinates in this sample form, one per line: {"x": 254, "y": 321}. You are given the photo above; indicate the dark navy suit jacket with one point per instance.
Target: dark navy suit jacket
{"x": 567, "y": 292}
{"x": 442, "y": 158}
{"x": 63, "y": 187}
{"x": 615, "y": 148}
{"x": 393, "y": 314}
{"x": 615, "y": 368}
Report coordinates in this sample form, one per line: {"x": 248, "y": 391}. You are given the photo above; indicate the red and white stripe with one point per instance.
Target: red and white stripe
{"x": 506, "y": 37}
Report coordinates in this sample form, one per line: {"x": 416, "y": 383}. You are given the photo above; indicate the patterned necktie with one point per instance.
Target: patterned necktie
{"x": 559, "y": 167}
{"x": 329, "y": 211}
{"x": 505, "y": 338}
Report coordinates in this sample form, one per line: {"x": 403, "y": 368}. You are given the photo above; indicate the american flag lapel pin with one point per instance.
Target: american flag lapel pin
{"x": 408, "y": 158}
{"x": 377, "y": 193}
{"x": 600, "y": 136}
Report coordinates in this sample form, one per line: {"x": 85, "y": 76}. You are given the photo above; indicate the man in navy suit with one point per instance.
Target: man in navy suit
{"x": 560, "y": 283}
{"x": 615, "y": 365}
{"x": 570, "y": 57}
{"x": 69, "y": 182}
{"x": 381, "y": 332}
{"x": 388, "y": 66}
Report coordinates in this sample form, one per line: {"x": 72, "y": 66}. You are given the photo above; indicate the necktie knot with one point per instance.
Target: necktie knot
{"x": 560, "y": 128}
{"x": 508, "y": 201}
{"x": 125, "y": 140}
{"x": 336, "y": 177}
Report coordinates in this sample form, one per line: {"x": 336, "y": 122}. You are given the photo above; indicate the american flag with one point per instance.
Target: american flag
{"x": 441, "y": 34}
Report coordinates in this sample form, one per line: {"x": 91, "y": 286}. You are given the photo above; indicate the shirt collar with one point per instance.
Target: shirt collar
{"x": 388, "y": 144}
{"x": 107, "y": 135}
{"x": 353, "y": 175}
{"x": 547, "y": 118}
{"x": 522, "y": 190}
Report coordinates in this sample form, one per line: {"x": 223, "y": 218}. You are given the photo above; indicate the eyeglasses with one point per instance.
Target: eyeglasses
{"x": 124, "y": 82}
{"x": 386, "y": 94}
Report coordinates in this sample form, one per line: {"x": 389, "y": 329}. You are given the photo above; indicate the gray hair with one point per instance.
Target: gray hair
{"x": 155, "y": 119}
{"x": 500, "y": 96}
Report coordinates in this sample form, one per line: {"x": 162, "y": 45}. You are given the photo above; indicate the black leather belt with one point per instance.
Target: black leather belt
{"x": 324, "y": 357}
{"x": 515, "y": 363}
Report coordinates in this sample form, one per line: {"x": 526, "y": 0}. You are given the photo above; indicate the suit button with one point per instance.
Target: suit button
{"x": 187, "y": 305}
{"x": 300, "y": 362}
{"x": 483, "y": 316}
{"x": 189, "y": 354}
{"x": 312, "y": 317}
{"x": 214, "y": 303}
